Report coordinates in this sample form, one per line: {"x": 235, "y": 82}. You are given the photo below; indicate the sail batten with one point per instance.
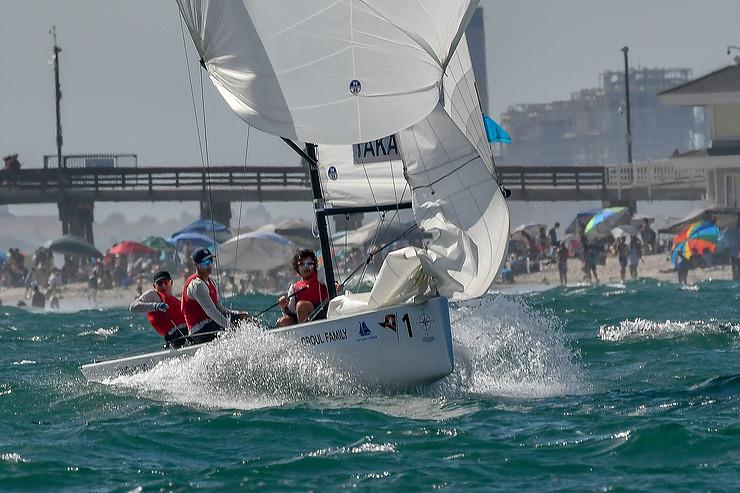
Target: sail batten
{"x": 328, "y": 71}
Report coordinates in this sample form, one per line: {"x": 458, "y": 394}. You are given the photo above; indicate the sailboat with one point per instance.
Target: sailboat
{"x": 387, "y": 91}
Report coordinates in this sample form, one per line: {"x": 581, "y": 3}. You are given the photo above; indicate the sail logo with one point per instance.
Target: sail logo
{"x": 355, "y": 87}
{"x": 376, "y": 151}
{"x": 332, "y": 172}
{"x": 365, "y": 333}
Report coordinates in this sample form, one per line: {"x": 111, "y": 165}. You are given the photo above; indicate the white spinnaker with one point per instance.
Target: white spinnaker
{"x": 360, "y": 175}
{"x": 329, "y": 71}
{"x": 456, "y": 199}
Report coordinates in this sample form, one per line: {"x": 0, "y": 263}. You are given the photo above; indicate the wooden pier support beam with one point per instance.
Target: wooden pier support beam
{"x": 77, "y": 218}
{"x": 221, "y": 211}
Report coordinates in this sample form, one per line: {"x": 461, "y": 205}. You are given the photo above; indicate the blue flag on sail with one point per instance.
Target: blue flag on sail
{"x": 495, "y": 132}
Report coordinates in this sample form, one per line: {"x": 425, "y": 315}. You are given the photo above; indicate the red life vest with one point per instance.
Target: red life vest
{"x": 163, "y": 321}
{"x": 311, "y": 289}
{"x": 191, "y": 309}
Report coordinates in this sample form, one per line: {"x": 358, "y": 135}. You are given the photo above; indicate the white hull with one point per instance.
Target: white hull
{"x": 365, "y": 346}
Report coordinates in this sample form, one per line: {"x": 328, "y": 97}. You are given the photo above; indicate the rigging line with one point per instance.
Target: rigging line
{"x": 192, "y": 92}
{"x": 208, "y": 174}
{"x": 241, "y": 202}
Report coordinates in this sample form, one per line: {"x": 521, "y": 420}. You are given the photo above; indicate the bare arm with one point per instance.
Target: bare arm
{"x": 145, "y": 303}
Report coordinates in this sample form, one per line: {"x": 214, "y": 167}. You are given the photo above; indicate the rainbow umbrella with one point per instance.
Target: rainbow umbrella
{"x": 699, "y": 236}
{"x": 603, "y": 221}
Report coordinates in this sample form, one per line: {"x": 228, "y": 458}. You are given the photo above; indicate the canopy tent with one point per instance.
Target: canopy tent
{"x": 131, "y": 248}
{"x": 256, "y": 251}
{"x": 722, "y": 217}
{"x": 74, "y": 246}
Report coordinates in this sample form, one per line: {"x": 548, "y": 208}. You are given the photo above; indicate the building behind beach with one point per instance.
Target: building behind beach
{"x": 589, "y": 128}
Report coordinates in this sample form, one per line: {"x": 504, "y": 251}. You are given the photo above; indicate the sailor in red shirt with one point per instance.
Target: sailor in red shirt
{"x": 305, "y": 295}
{"x": 203, "y": 312}
{"x": 163, "y": 311}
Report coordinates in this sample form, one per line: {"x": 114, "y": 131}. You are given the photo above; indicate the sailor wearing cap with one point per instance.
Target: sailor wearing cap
{"x": 163, "y": 311}
{"x": 203, "y": 312}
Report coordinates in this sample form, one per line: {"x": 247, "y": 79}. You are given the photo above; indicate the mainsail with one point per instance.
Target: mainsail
{"x": 328, "y": 71}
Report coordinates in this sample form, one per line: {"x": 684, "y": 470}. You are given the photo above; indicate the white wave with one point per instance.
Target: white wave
{"x": 100, "y": 332}
{"x": 641, "y": 328}
{"x": 246, "y": 369}
{"x": 365, "y": 446}
{"x": 24, "y": 362}
{"x": 502, "y": 347}
{"x": 12, "y": 457}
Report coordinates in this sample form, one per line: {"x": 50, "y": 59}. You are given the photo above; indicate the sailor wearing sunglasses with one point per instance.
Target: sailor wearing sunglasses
{"x": 204, "y": 314}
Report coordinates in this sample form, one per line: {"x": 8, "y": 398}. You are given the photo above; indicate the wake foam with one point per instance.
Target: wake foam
{"x": 640, "y": 328}
{"x": 502, "y": 347}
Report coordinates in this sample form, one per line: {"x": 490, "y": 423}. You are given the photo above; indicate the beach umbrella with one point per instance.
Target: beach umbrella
{"x": 256, "y": 251}
{"x": 722, "y": 217}
{"x": 157, "y": 243}
{"x": 296, "y": 230}
{"x": 196, "y": 240}
{"x": 371, "y": 233}
{"x": 701, "y": 234}
{"x": 73, "y": 246}
{"x": 207, "y": 227}
{"x": 526, "y": 233}
{"x": 131, "y": 248}
{"x": 603, "y": 221}
{"x": 625, "y": 230}
{"x": 581, "y": 219}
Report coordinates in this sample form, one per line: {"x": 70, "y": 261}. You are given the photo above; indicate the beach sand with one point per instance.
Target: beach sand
{"x": 75, "y": 296}
{"x": 657, "y": 267}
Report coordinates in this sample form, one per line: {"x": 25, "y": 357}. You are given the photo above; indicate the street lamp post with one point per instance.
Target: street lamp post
{"x": 628, "y": 136}
{"x": 57, "y": 96}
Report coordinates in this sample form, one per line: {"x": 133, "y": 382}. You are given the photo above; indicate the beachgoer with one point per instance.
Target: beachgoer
{"x": 305, "y": 295}
{"x": 634, "y": 256}
{"x": 553, "y": 234}
{"x": 682, "y": 268}
{"x": 163, "y": 310}
{"x": 562, "y": 254}
{"x": 622, "y": 252}
{"x": 648, "y": 236}
{"x": 204, "y": 314}
{"x": 38, "y": 299}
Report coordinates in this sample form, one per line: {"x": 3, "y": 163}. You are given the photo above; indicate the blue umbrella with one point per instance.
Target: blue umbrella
{"x": 208, "y": 228}
{"x": 195, "y": 239}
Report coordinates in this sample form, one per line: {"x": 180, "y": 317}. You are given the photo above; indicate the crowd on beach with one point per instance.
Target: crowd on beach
{"x": 44, "y": 283}
{"x": 531, "y": 253}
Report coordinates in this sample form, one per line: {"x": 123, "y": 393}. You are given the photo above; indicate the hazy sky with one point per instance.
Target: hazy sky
{"x": 126, "y": 88}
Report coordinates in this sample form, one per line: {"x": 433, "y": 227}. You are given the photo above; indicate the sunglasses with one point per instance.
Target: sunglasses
{"x": 206, "y": 262}
{"x": 307, "y": 264}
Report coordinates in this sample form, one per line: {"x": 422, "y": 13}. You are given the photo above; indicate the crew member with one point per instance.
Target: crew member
{"x": 305, "y": 295}
{"x": 163, "y": 311}
{"x": 203, "y": 313}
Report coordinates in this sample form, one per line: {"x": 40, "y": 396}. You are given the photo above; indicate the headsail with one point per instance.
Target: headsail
{"x": 456, "y": 198}
{"x": 328, "y": 71}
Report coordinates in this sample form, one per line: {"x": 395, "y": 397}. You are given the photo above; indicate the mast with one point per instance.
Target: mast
{"x": 57, "y": 96}
{"x": 309, "y": 156}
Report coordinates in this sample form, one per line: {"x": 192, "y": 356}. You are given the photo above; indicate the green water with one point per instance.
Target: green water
{"x": 616, "y": 388}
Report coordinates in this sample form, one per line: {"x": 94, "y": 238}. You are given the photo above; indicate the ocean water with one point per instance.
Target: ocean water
{"x": 632, "y": 387}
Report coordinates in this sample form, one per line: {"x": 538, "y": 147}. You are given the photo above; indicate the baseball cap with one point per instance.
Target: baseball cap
{"x": 201, "y": 254}
{"x": 162, "y": 276}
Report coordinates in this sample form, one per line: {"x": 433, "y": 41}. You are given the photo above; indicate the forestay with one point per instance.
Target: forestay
{"x": 329, "y": 71}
